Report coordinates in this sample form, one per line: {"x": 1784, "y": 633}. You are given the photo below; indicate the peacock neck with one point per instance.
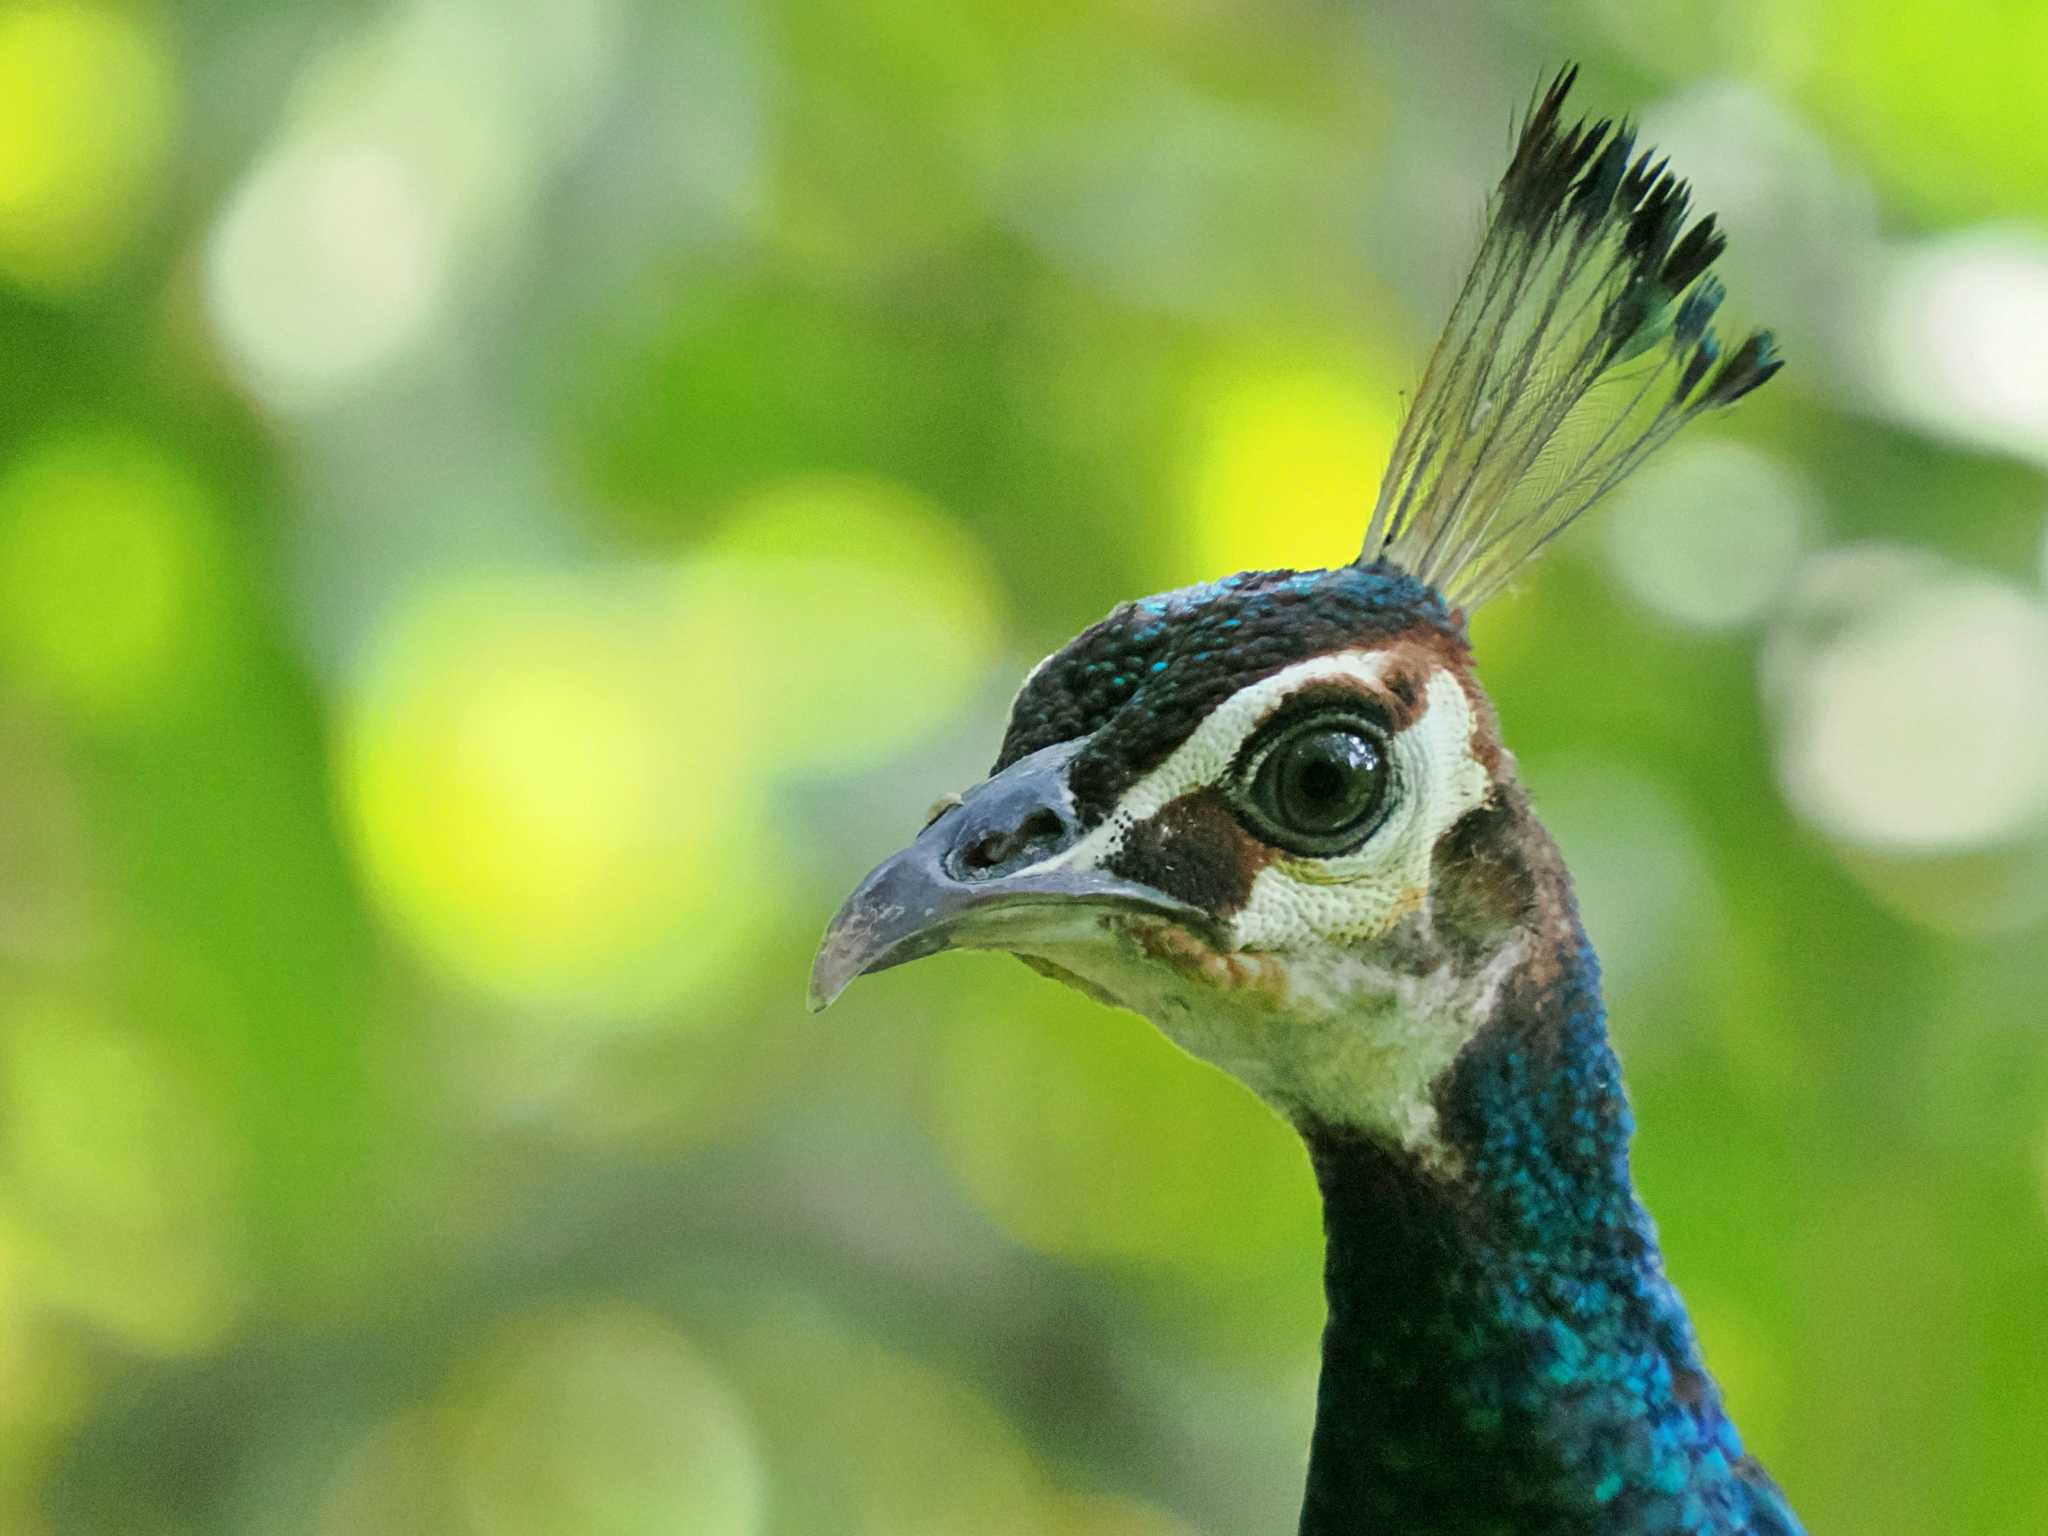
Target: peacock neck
{"x": 1503, "y": 1352}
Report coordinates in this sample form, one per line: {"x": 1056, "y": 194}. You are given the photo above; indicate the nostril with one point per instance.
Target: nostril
{"x": 986, "y": 852}
{"x": 1041, "y": 826}
{"x": 1039, "y": 833}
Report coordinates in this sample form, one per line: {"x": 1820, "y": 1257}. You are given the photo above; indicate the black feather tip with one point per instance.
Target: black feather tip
{"x": 1579, "y": 174}
{"x": 1582, "y": 340}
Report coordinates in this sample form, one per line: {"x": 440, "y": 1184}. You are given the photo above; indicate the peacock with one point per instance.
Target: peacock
{"x": 1274, "y": 814}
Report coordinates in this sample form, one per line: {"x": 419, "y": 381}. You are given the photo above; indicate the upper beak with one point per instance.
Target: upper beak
{"x": 970, "y": 872}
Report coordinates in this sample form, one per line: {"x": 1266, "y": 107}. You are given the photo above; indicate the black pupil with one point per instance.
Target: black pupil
{"x": 1326, "y": 779}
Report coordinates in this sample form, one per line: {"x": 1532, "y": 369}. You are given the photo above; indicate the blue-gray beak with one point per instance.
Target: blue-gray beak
{"x": 974, "y": 870}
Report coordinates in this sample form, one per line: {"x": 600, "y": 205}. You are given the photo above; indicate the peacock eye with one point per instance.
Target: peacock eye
{"x": 1320, "y": 786}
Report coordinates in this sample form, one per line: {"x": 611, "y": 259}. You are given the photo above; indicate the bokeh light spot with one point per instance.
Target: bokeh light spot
{"x": 541, "y": 777}
{"x": 1709, "y": 534}
{"x": 328, "y": 264}
{"x": 1286, "y": 463}
{"x": 1921, "y": 721}
{"x": 602, "y": 1422}
{"x": 117, "y": 1165}
{"x": 415, "y": 151}
{"x": 88, "y": 119}
{"x": 106, "y": 552}
{"x": 860, "y": 620}
{"x": 1911, "y": 705}
{"x": 1956, "y": 327}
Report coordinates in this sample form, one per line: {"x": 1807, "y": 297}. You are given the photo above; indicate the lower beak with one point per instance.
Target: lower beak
{"x": 953, "y": 888}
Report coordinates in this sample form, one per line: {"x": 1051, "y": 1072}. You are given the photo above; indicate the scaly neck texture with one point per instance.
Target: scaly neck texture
{"x": 1503, "y": 1352}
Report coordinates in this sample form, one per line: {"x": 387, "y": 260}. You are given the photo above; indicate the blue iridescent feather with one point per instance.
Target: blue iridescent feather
{"x": 1504, "y": 1351}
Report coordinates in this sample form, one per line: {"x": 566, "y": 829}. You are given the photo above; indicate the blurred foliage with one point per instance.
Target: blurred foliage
{"x": 508, "y": 506}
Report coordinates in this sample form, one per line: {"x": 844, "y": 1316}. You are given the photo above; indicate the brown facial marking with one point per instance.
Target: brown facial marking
{"x": 1399, "y": 697}
{"x": 1412, "y": 657}
{"x": 1195, "y": 848}
{"x": 1404, "y": 688}
{"x": 1496, "y": 872}
{"x": 1245, "y": 972}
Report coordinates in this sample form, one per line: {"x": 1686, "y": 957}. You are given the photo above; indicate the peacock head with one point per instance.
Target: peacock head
{"x": 1274, "y": 813}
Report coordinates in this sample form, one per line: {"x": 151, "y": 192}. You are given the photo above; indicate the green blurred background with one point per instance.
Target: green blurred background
{"x": 508, "y": 507}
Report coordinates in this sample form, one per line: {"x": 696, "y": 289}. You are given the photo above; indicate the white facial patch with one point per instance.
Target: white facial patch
{"x": 1301, "y": 1005}
{"x": 1357, "y": 895}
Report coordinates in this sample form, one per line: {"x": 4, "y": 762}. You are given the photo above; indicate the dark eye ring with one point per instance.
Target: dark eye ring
{"x": 1320, "y": 785}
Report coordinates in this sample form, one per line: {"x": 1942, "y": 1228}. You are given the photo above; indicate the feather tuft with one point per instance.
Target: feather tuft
{"x": 1581, "y": 341}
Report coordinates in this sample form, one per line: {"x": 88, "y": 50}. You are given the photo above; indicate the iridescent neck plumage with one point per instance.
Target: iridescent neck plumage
{"x": 1503, "y": 1351}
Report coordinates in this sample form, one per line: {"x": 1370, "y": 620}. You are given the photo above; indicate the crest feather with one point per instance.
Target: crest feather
{"x": 1578, "y": 346}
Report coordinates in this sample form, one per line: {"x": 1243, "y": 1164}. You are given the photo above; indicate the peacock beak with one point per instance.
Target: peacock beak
{"x": 984, "y": 873}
